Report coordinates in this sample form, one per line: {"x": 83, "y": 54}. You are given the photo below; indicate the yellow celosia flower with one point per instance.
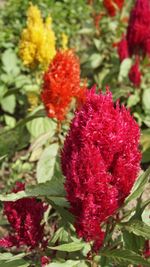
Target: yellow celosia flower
{"x": 34, "y": 16}
{"x": 47, "y": 49}
{"x": 64, "y": 41}
{"x": 37, "y": 45}
{"x": 33, "y": 100}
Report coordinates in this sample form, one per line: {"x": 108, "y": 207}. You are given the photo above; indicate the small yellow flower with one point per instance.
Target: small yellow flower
{"x": 37, "y": 44}
{"x": 33, "y": 100}
{"x": 64, "y": 41}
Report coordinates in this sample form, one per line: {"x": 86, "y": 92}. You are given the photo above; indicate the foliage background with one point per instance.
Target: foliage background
{"x": 30, "y": 142}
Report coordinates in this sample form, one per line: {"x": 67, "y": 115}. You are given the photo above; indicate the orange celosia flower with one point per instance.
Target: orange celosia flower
{"x": 61, "y": 84}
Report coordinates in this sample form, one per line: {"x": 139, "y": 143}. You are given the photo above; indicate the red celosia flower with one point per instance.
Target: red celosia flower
{"x": 123, "y": 49}
{"x": 61, "y": 84}
{"x": 135, "y": 74}
{"x": 112, "y": 6}
{"x": 100, "y": 160}
{"x": 25, "y": 216}
{"x": 138, "y": 33}
{"x": 45, "y": 260}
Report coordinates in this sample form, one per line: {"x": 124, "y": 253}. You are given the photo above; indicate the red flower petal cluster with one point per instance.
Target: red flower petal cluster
{"x": 61, "y": 84}
{"x": 138, "y": 33}
{"x": 112, "y": 6}
{"x": 137, "y": 40}
{"x": 123, "y": 49}
{"x": 135, "y": 74}
{"x": 25, "y": 217}
{"x": 45, "y": 260}
{"x": 100, "y": 160}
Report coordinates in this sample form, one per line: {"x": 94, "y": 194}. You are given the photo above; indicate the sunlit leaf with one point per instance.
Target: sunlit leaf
{"x": 125, "y": 256}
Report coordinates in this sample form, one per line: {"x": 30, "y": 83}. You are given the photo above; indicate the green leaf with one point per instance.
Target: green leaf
{"x": 95, "y": 60}
{"x": 22, "y": 80}
{"x": 1, "y": 158}
{"x": 16, "y": 257}
{"x": 41, "y": 140}
{"x": 59, "y": 201}
{"x": 133, "y": 242}
{"x": 133, "y": 100}
{"x": 37, "y": 113}
{"x": 138, "y": 228}
{"x": 100, "y": 76}
{"x": 70, "y": 247}
{"x": 11, "y": 92}
{"x": 65, "y": 214}
{"x": 46, "y": 163}
{"x": 139, "y": 117}
{"x": 145, "y": 142}
{"x": 97, "y": 43}
{"x": 5, "y": 256}
{"x": 13, "y": 140}
{"x": 64, "y": 236}
{"x": 124, "y": 69}
{"x": 8, "y": 104}
{"x": 3, "y": 90}
{"x": 146, "y": 156}
{"x": 146, "y": 217}
{"x": 18, "y": 137}
{"x": 9, "y": 260}
{"x": 9, "y": 60}
{"x": 5, "y": 78}
{"x": 83, "y": 264}
{"x": 69, "y": 263}
{"x": 145, "y": 139}
{"x": 112, "y": 25}
{"x": 146, "y": 101}
{"x": 147, "y": 120}
{"x": 57, "y": 235}
{"x": 125, "y": 256}
{"x": 14, "y": 263}
{"x": 36, "y": 154}
{"x": 39, "y": 126}
{"x": 139, "y": 185}
{"x": 10, "y": 121}
{"x": 53, "y": 189}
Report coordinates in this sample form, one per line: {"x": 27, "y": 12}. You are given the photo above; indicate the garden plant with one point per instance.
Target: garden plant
{"x": 75, "y": 133}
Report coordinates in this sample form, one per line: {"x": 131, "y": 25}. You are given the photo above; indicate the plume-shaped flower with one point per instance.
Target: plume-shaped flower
{"x": 61, "y": 84}
{"x": 138, "y": 33}
{"x": 135, "y": 74}
{"x": 25, "y": 217}
{"x": 100, "y": 160}
{"x": 123, "y": 49}
{"x": 37, "y": 44}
